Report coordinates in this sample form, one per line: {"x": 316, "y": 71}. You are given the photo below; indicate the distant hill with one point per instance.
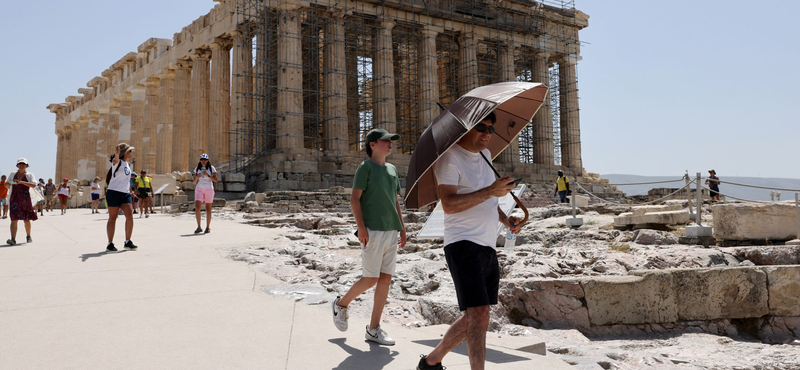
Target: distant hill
{"x": 733, "y": 190}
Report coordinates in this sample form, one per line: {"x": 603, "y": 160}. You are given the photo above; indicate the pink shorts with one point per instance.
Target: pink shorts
{"x": 204, "y": 195}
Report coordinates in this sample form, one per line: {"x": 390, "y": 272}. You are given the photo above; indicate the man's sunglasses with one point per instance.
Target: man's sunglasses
{"x": 483, "y": 127}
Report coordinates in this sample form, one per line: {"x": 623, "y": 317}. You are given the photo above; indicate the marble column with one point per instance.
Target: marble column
{"x": 467, "y": 63}
{"x": 125, "y": 118}
{"x": 59, "y": 155}
{"x": 570, "y": 127}
{"x": 113, "y": 129}
{"x": 66, "y": 155}
{"x": 542, "y": 121}
{"x": 220, "y": 101}
{"x": 242, "y": 114}
{"x": 150, "y": 124}
{"x": 181, "y": 115}
{"x": 198, "y": 128}
{"x": 92, "y": 140}
{"x": 102, "y": 153}
{"x": 335, "y": 86}
{"x": 290, "y": 81}
{"x": 79, "y": 149}
{"x": 137, "y": 126}
{"x": 428, "y": 75}
{"x": 164, "y": 129}
{"x": 508, "y": 73}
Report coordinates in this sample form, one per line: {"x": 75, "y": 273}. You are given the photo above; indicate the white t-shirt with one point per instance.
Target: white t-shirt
{"x": 204, "y": 182}
{"x": 120, "y": 179}
{"x": 96, "y": 188}
{"x": 470, "y": 173}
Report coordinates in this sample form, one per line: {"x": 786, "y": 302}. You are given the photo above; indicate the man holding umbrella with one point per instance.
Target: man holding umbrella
{"x": 470, "y": 198}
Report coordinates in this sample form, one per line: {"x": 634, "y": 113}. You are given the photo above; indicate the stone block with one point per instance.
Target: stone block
{"x": 545, "y": 303}
{"x": 234, "y": 177}
{"x": 219, "y": 202}
{"x": 755, "y": 221}
{"x": 218, "y": 186}
{"x": 631, "y": 299}
{"x": 579, "y": 200}
{"x": 720, "y": 293}
{"x": 186, "y": 176}
{"x": 179, "y": 199}
{"x": 327, "y": 167}
{"x": 641, "y": 210}
{"x": 628, "y": 219}
{"x": 235, "y": 186}
{"x": 159, "y": 181}
{"x": 260, "y": 197}
{"x": 784, "y": 290}
{"x": 188, "y": 185}
{"x": 574, "y": 222}
{"x": 695, "y": 231}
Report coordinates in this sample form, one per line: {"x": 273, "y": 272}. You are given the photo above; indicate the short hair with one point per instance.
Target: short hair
{"x": 491, "y": 117}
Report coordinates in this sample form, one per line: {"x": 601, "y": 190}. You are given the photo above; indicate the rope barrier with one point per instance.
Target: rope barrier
{"x": 645, "y": 203}
{"x": 645, "y": 183}
{"x": 731, "y": 196}
{"x": 759, "y": 187}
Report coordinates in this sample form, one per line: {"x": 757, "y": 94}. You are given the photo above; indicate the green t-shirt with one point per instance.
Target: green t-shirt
{"x": 378, "y": 201}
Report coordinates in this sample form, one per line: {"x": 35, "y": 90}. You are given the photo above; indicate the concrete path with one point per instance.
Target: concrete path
{"x": 178, "y": 303}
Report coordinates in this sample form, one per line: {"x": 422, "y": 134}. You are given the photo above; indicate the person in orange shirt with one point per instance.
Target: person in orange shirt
{"x": 4, "y": 196}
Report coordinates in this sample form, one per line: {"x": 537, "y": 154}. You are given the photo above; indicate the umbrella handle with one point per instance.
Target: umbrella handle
{"x": 519, "y": 203}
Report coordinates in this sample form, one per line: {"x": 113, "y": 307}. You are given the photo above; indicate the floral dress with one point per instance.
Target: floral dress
{"x": 20, "y": 205}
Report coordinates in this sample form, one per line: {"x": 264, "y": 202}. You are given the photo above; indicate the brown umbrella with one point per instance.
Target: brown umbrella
{"x": 514, "y": 104}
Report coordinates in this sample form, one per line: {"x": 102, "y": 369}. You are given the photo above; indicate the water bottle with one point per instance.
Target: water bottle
{"x": 511, "y": 240}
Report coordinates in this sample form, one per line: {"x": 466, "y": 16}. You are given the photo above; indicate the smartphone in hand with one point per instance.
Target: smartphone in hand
{"x": 515, "y": 181}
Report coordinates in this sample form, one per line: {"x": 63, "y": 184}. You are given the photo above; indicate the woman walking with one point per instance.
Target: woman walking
{"x": 21, "y": 204}
{"x": 64, "y": 193}
{"x": 119, "y": 196}
{"x": 95, "y": 194}
{"x": 204, "y": 176}
{"x": 39, "y": 207}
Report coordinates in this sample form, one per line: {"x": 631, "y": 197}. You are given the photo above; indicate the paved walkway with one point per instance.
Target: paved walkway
{"x": 178, "y": 303}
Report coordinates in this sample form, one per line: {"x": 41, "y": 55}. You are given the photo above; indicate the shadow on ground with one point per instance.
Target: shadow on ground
{"x": 376, "y": 358}
{"x": 492, "y": 355}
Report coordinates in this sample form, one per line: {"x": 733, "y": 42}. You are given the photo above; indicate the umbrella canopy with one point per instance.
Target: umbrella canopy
{"x": 514, "y": 104}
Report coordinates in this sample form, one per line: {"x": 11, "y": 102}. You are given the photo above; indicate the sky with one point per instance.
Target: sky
{"x": 664, "y": 87}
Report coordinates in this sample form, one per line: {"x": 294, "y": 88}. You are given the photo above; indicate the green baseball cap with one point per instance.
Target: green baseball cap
{"x": 380, "y": 134}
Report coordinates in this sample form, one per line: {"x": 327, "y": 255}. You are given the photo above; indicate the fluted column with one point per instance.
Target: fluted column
{"x": 182, "y": 115}
{"x": 428, "y": 79}
{"x": 113, "y": 129}
{"x": 150, "y": 124}
{"x": 92, "y": 141}
{"x": 542, "y": 121}
{"x": 241, "y": 96}
{"x": 467, "y": 63}
{"x": 165, "y": 125}
{"x": 570, "y": 127}
{"x": 137, "y": 125}
{"x": 79, "y": 149}
{"x": 66, "y": 155}
{"x": 290, "y": 81}
{"x": 335, "y": 86}
{"x": 101, "y": 155}
{"x": 220, "y": 117}
{"x": 198, "y": 128}
{"x": 508, "y": 73}
{"x": 59, "y": 156}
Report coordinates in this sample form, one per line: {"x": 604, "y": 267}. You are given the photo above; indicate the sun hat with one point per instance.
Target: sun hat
{"x": 22, "y": 161}
{"x": 712, "y": 171}
{"x": 124, "y": 148}
{"x": 204, "y": 156}
{"x": 380, "y": 134}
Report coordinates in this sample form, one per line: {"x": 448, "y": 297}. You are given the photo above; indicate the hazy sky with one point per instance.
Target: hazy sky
{"x": 664, "y": 86}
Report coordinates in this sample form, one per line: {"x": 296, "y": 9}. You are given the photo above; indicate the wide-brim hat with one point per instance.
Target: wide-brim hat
{"x": 712, "y": 171}
{"x": 22, "y": 161}
{"x": 124, "y": 148}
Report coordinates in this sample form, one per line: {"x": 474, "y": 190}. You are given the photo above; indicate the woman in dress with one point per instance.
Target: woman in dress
{"x": 95, "y": 194}
{"x": 64, "y": 193}
{"x": 204, "y": 176}
{"x": 21, "y": 205}
{"x": 118, "y": 196}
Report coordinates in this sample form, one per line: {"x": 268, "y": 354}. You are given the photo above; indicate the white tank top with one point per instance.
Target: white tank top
{"x": 120, "y": 178}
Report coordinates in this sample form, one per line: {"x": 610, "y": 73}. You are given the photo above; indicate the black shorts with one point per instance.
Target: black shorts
{"x": 475, "y": 272}
{"x": 116, "y": 198}
{"x": 714, "y": 192}
{"x": 143, "y": 193}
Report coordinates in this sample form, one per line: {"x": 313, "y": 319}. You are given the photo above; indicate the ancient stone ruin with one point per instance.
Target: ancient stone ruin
{"x": 284, "y": 91}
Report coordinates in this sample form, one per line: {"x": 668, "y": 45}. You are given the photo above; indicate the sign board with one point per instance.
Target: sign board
{"x": 161, "y": 189}
{"x": 434, "y": 227}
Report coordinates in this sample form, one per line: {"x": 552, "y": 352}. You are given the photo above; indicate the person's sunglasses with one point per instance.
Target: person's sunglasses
{"x": 483, "y": 127}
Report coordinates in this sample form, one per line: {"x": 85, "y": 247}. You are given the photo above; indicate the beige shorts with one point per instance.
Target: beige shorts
{"x": 380, "y": 255}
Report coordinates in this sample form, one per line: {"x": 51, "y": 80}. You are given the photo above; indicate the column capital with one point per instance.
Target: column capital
{"x": 201, "y": 55}
{"x": 152, "y": 81}
{"x": 431, "y": 31}
{"x": 166, "y": 74}
{"x": 124, "y": 96}
{"x": 223, "y": 43}
{"x": 389, "y": 25}
{"x": 93, "y": 114}
{"x": 543, "y": 55}
{"x": 338, "y": 13}
{"x": 182, "y": 64}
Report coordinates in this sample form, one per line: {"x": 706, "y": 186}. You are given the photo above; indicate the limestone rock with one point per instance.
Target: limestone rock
{"x": 784, "y": 290}
{"x": 631, "y": 299}
{"x": 250, "y": 197}
{"x": 754, "y": 221}
{"x": 721, "y": 293}
{"x": 769, "y": 255}
{"x": 438, "y": 312}
{"x": 545, "y": 303}
{"x": 653, "y": 237}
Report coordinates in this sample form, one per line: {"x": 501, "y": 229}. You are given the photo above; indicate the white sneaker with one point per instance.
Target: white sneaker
{"x": 379, "y": 336}
{"x": 340, "y": 315}
{"x": 140, "y": 215}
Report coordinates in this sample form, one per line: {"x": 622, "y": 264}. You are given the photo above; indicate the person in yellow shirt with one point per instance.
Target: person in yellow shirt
{"x": 562, "y": 187}
{"x": 144, "y": 191}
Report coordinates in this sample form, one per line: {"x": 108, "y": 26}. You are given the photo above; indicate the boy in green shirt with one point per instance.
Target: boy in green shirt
{"x": 376, "y": 208}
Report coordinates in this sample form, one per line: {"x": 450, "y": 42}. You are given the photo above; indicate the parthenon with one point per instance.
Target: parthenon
{"x": 285, "y": 90}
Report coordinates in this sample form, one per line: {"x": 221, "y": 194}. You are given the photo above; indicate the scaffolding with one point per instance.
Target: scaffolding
{"x": 529, "y": 25}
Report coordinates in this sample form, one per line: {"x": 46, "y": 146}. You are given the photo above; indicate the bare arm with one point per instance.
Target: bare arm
{"x": 452, "y": 202}
{"x": 403, "y": 236}
{"x": 355, "y": 205}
